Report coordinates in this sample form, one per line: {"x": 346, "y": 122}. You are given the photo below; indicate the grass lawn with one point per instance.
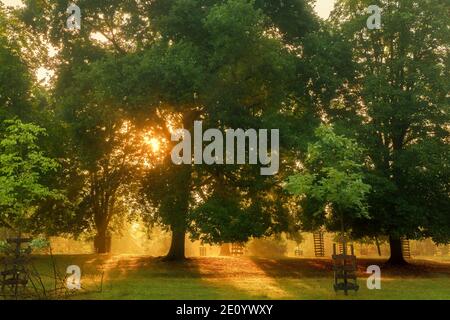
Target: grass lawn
{"x": 141, "y": 277}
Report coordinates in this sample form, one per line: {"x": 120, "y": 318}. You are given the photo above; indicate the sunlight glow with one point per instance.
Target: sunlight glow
{"x": 154, "y": 143}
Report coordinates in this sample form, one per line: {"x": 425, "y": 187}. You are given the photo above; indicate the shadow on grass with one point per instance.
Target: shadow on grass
{"x": 210, "y": 278}
{"x": 313, "y": 279}
{"x": 143, "y": 277}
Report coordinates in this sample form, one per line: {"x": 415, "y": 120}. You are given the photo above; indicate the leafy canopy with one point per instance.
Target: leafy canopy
{"x": 331, "y": 179}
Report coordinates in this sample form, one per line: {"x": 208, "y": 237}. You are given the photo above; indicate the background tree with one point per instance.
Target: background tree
{"x": 109, "y": 152}
{"x": 22, "y": 97}
{"x": 15, "y": 75}
{"x": 102, "y": 149}
{"x": 401, "y": 116}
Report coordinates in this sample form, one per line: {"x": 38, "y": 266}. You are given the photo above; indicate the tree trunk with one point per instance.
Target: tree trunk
{"x": 102, "y": 242}
{"x": 178, "y": 221}
{"x": 378, "y": 246}
{"x": 396, "y": 258}
{"x": 225, "y": 249}
{"x": 180, "y": 181}
{"x": 176, "y": 251}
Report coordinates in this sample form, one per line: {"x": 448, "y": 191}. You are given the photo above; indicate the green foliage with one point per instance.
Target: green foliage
{"x": 4, "y": 246}
{"x": 223, "y": 219}
{"x": 401, "y": 117}
{"x": 15, "y": 80}
{"x": 22, "y": 166}
{"x": 331, "y": 180}
{"x": 35, "y": 244}
{"x": 39, "y": 243}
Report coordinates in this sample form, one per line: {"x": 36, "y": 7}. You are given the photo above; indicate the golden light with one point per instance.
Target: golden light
{"x": 154, "y": 147}
{"x": 154, "y": 143}
{"x": 135, "y": 226}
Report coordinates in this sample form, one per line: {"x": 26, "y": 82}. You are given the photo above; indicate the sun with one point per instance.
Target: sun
{"x": 154, "y": 143}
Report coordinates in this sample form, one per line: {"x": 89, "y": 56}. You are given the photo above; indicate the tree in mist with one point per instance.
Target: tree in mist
{"x": 102, "y": 150}
{"x": 400, "y": 115}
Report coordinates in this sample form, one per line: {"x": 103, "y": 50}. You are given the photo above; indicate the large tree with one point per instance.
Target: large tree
{"x": 101, "y": 149}
{"x": 229, "y": 73}
{"x": 399, "y": 113}
{"x": 229, "y": 64}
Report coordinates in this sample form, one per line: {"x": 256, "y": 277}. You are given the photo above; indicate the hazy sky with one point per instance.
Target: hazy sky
{"x": 323, "y": 7}
{"x": 10, "y": 2}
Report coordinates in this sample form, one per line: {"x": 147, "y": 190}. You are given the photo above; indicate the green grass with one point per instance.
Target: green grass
{"x": 140, "y": 277}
